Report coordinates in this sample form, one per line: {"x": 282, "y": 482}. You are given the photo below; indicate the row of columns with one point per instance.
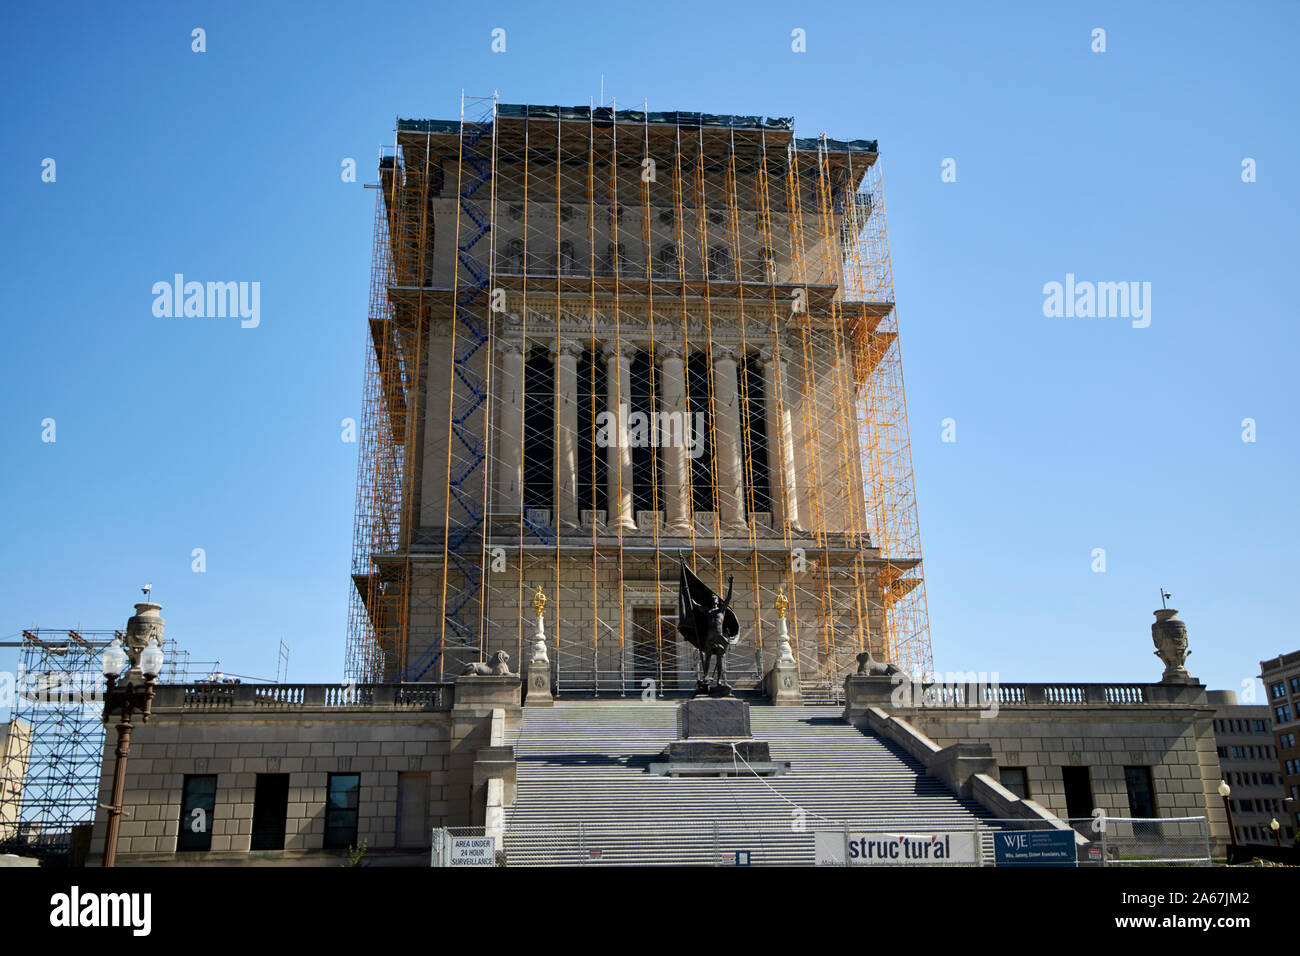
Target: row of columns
{"x": 675, "y": 461}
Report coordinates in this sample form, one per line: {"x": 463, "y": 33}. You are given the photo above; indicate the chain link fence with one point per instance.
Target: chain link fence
{"x": 1095, "y": 841}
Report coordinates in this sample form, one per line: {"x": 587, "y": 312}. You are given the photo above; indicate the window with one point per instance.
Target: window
{"x": 592, "y": 400}
{"x": 1141, "y": 793}
{"x": 198, "y": 804}
{"x": 1295, "y": 685}
{"x": 341, "y": 804}
{"x": 1277, "y": 690}
{"x": 647, "y": 478}
{"x": 1238, "y": 753}
{"x": 1283, "y": 713}
{"x": 1016, "y": 779}
{"x": 753, "y": 430}
{"x": 698, "y": 378}
{"x": 1260, "y": 727}
{"x": 270, "y": 811}
{"x": 539, "y": 429}
{"x": 1078, "y": 792}
{"x": 667, "y": 266}
{"x": 1223, "y": 752}
{"x": 720, "y": 267}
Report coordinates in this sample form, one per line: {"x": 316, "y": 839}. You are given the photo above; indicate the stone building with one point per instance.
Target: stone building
{"x": 606, "y": 339}
{"x": 1249, "y": 758}
{"x": 15, "y": 744}
{"x": 605, "y": 342}
{"x": 1281, "y": 677}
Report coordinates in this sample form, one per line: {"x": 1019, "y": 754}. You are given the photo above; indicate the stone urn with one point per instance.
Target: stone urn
{"x": 1170, "y": 637}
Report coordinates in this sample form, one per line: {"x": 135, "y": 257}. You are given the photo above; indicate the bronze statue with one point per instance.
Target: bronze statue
{"x": 708, "y": 623}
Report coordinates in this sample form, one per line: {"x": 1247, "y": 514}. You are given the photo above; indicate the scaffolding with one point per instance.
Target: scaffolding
{"x": 553, "y": 291}
{"x": 51, "y": 785}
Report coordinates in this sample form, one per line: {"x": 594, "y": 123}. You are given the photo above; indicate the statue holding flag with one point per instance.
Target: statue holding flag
{"x": 707, "y": 623}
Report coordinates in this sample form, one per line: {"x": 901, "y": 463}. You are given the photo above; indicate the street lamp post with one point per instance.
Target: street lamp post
{"x": 1277, "y": 831}
{"x": 131, "y": 674}
{"x": 1225, "y": 791}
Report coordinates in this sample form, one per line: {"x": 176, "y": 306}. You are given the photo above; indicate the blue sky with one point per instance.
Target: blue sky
{"x": 1072, "y": 434}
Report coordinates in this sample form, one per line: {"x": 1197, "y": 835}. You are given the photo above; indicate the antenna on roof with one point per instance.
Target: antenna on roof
{"x": 602, "y": 89}
{"x": 1164, "y": 594}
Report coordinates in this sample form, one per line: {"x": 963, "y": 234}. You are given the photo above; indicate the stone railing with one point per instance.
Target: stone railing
{"x": 862, "y": 691}
{"x": 1064, "y": 695}
{"x": 303, "y": 697}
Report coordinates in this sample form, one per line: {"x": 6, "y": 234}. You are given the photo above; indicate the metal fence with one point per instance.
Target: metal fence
{"x": 1129, "y": 841}
{"x": 1100, "y": 841}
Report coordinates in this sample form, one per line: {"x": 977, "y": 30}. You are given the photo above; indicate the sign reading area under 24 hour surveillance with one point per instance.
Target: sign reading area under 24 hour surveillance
{"x": 472, "y": 851}
{"x": 880, "y": 848}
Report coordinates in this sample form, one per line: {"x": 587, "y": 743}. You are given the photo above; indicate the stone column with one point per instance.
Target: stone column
{"x": 780, "y": 442}
{"x": 675, "y": 432}
{"x": 803, "y": 433}
{"x": 566, "y": 435}
{"x": 510, "y": 430}
{"x": 618, "y": 391}
{"x": 729, "y": 475}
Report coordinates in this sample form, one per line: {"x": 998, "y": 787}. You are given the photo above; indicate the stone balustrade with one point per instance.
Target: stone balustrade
{"x": 304, "y": 697}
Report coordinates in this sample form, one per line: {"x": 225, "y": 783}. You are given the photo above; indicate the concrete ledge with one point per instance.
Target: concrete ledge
{"x": 969, "y": 770}
{"x": 1006, "y": 805}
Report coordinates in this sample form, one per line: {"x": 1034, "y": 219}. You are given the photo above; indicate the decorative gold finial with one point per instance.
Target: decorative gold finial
{"x": 781, "y": 603}
{"x": 539, "y": 600}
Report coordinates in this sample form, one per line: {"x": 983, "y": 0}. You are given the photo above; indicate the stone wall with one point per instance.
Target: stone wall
{"x": 232, "y": 735}
{"x": 1169, "y": 729}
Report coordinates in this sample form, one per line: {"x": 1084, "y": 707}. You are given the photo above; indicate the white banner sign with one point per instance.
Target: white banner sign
{"x": 883, "y": 848}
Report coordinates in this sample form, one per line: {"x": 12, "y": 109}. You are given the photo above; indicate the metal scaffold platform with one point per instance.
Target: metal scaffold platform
{"x": 51, "y": 777}
{"x": 539, "y": 268}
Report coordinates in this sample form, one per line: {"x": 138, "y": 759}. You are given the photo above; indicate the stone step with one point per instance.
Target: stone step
{"x": 583, "y": 785}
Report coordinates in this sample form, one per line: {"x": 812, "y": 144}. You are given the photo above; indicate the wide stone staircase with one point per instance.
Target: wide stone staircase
{"x": 585, "y": 794}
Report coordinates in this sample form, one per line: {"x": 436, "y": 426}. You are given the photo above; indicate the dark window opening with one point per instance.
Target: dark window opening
{"x": 1015, "y": 779}
{"x": 1078, "y": 792}
{"x": 697, "y": 402}
{"x": 270, "y": 811}
{"x": 198, "y": 806}
{"x": 592, "y": 487}
{"x": 644, "y": 441}
{"x": 1141, "y": 792}
{"x": 539, "y": 428}
{"x": 753, "y": 428}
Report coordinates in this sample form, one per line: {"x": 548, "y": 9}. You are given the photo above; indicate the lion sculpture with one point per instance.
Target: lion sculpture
{"x": 498, "y": 665}
{"x": 869, "y": 666}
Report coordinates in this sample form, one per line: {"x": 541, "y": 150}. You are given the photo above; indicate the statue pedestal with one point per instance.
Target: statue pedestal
{"x": 714, "y": 740}
{"x": 782, "y": 684}
{"x": 537, "y": 692}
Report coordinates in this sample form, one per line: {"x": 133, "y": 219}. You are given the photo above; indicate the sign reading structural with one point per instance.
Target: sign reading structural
{"x": 880, "y": 848}
{"x": 1034, "y": 848}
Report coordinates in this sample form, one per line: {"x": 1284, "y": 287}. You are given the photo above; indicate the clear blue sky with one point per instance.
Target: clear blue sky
{"x": 1073, "y": 434}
